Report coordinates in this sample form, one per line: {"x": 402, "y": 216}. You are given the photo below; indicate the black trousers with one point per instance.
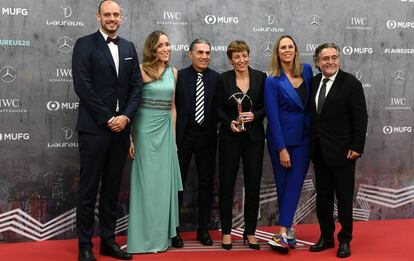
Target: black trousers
{"x": 203, "y": 146}
{"x": 331, "y": 181}
{"x": 102, "y": 159}
{"x": 251, "y": 153}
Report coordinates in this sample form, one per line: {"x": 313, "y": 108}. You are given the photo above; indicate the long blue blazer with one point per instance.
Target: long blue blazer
{"x": 288, "y": 119}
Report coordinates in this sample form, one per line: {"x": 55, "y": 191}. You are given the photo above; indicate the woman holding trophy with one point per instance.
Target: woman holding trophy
{"x": 241, "y": 113}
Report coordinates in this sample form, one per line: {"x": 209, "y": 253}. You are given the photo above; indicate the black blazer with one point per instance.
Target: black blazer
{"x": 227, "y": 108}
{"x": 98, "y": 86}
{"x": 342, "y": 123}
{"x": 185, "y": 91}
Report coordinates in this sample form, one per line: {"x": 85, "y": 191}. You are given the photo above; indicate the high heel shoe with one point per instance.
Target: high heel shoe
{"x": 252, "y": 246}
{"x": 226, "y": 246}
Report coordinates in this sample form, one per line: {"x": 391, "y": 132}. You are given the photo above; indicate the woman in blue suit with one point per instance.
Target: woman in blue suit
{"x": 287, "y": 90}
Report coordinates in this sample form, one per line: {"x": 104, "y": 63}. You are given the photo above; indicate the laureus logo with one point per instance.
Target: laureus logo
{"x": 67, "y": 11}
{"x": 68, "y": 133}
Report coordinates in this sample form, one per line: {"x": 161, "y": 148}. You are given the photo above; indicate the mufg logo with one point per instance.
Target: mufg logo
{"x": 14, "y": 11}
{"x": 348, "y": 50}
{"x": 395, "y": 130}
{"x": 14, "y": 136}
{"x": 212, "y": 19}
{"x": 55, "y": 105}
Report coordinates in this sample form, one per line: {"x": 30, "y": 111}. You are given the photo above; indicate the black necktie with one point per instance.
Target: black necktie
{"x": 322, "y": 94}
{"x": 114, "y": 40}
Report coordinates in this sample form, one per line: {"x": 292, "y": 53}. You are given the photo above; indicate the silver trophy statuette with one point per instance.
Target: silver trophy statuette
{"x": 239, "y": 98}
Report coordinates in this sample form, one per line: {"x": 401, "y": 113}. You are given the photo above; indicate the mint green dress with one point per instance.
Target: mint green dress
{"x": 155, "y": 173}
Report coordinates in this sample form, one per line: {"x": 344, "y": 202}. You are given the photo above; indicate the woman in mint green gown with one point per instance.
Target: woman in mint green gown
{"x": 155, "y": 174}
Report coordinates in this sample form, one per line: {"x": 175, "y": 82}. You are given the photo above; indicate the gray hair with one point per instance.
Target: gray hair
{"x": 319, "y": 50}
{"x": 199, "y": 41}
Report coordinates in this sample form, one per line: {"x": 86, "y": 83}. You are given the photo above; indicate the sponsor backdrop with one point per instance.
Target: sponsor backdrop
{"x": 39, "y": 160}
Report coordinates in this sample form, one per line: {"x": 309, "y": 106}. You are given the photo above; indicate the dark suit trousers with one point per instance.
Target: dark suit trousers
{"x": 102, "y": 159}
{"x": 197, "y": 142}
{"x": 230, "y": 152}
{"x": 330, "y": 181}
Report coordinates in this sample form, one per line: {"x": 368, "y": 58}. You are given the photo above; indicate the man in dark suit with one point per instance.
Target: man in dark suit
{"x": 339, "y": 125}
{"x": 196, "y": 130}
{"x": 107, "y": 79}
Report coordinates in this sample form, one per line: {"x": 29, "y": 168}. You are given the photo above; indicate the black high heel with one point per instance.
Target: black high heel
{"x": 226, "y": 246}
{"x": 252, "y": 246}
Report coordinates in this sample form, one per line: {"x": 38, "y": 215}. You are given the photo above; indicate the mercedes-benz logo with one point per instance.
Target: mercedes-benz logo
{"x": 8, "y": 74}
{"x": 358, "y": 75}
{"x": 267, "y": 49}
{"x": 314, "y": 21}
{"x": 124, "y": 16}
{"x": 391, "y": 24}
{"x": 67, "y": 11}
{"x": 65, "y": 44}
{"x": 68, "y": 133}
{"x": 387, "y": 130}
{"x": 210, "y": 19}
{"x": 398, "y": 77}
{"x": 271, "y": 19}
{"x": 347, "y": 50}
{"x": 53, "y": 105}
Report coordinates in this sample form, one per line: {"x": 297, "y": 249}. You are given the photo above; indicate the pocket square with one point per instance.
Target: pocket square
{"x": 128, "y": 58}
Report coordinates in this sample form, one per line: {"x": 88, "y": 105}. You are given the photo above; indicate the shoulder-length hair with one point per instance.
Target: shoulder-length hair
{"x": 150, "y": 60}
{"x": 275, "y": 68}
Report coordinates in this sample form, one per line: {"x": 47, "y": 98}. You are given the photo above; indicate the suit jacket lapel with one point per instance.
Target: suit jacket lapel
{"x": 122, "y": 55}
{"x": 289, "y": 89}
{"x": 315, "y": 88}
{"x": 335, "y": 88}
{"x": 103, "y": 47}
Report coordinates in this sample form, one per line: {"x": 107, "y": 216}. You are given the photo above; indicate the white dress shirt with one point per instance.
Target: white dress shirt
{"x": 328, "y": 86}
{"x": 115, "y": 56}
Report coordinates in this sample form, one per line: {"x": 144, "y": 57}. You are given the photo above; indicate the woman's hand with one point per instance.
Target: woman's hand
{"x": 247, "y": 116}
{"x": 284, "y": 158}
{"x": 233, "y": 127}
{"x": 131, "y": 151}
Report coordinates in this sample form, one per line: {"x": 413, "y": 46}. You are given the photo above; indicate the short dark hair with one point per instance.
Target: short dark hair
{"x": 101, "y": 3}
{"x": 199, "y": 41}
{"x": 319, "y": 50}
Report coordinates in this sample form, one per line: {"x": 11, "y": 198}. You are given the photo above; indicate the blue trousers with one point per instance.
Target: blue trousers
{"x": 289, "y": 181}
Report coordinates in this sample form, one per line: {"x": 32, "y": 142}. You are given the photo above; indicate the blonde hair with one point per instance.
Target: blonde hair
{"x": 275, "y": 68}
{"x": 150, "y": 60}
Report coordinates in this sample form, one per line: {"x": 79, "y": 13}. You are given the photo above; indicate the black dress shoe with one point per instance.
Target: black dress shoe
{"x": 204, "y": 237}
{"x": 322, "y": 245}
{"x": 86, "y": 255}
{"x": 227, "y": 246}
{"x": 251, "y": 245}
{"x": 344, "y": 250}
{"x": 177, "y": 241}
{"x": 115, "y": 251}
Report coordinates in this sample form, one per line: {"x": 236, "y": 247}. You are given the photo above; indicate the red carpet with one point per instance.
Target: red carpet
{"x": 373, "y": 240}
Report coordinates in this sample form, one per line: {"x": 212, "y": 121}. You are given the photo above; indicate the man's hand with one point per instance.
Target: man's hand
{"x": 353, "y": 155}
{"x": 118, "y": 123}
